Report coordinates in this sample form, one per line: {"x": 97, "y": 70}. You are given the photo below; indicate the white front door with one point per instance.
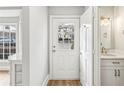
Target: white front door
{"x": 86, "y": 47}
{"x": 64, "y": 48}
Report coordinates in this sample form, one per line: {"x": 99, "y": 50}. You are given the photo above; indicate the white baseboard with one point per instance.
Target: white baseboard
{"x": 45, "y": 82}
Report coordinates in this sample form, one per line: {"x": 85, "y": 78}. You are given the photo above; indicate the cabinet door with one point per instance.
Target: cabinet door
{"x": 108, "y": 76}
{"x": 120, "y": 78}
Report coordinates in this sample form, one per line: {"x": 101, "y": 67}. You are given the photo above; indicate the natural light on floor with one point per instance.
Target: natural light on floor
{"x": 4, "y": 78}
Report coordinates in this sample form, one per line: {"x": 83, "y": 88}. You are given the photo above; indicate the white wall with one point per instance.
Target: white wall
{"x": 119, "y": 28}
{"x": 25, "y": 46}
{"x": 107, "y": 11}
{"x": 10, "y": 13}
{"x": 35, "y": 48}
{"x": 66, "y": 10}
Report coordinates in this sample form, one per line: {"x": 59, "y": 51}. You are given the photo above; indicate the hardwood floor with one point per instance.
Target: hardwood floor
{"x": 4, "y": 78}
{"x": 64, "y": 83}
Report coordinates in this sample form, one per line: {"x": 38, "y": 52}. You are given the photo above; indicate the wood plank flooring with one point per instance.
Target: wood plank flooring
{"x": 4, "y": 78}
{"x": 64, "y": 83}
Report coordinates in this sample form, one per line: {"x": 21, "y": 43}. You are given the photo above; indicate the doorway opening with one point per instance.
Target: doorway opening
{"x": 10, "y": 45}
{"x": 7, "y": 49}
{"x": 64, "y": 45}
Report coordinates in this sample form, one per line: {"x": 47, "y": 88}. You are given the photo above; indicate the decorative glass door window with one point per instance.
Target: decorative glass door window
{"x": 66, "y": 36}
{"x": 7, "y": 40}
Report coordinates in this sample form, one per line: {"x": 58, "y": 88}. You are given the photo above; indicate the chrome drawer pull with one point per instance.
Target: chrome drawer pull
{"x": 118, "y": 72}
{"x": 115, "y": 72}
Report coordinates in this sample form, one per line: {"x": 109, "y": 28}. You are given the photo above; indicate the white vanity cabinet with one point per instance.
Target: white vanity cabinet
{"x": 112, "y": 72}
{"x": 107, "y": 76}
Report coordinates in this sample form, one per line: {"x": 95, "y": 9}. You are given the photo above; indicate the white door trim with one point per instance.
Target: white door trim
{"x": 96, "y": 47}
{"x": 51, "y": 17}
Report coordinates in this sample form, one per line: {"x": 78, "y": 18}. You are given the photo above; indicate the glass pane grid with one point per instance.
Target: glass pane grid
{"x": 66, "y": 36}
{"x": 7, "y": 41}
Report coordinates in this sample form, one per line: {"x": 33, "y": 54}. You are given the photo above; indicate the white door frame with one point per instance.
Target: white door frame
{"x": 96, "y": 28}
{"x": 51, "y": 17}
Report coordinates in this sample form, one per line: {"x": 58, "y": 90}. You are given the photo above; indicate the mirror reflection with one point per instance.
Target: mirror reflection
{"x": 106, "y": 29}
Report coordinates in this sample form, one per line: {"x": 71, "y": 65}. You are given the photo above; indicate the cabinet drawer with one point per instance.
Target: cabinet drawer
{"x": 112, "y": 62}
{"x": 18, "y": 68}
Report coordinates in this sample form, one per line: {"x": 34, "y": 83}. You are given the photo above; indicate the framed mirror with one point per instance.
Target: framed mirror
{"x": 106, "y": 32}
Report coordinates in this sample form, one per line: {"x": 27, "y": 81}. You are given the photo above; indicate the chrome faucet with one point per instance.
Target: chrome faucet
{"x": 104, "y": 50}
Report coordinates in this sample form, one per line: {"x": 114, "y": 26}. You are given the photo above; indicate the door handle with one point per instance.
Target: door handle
{"x": 115, "y": 72}
{"x": 118, "y": 72}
